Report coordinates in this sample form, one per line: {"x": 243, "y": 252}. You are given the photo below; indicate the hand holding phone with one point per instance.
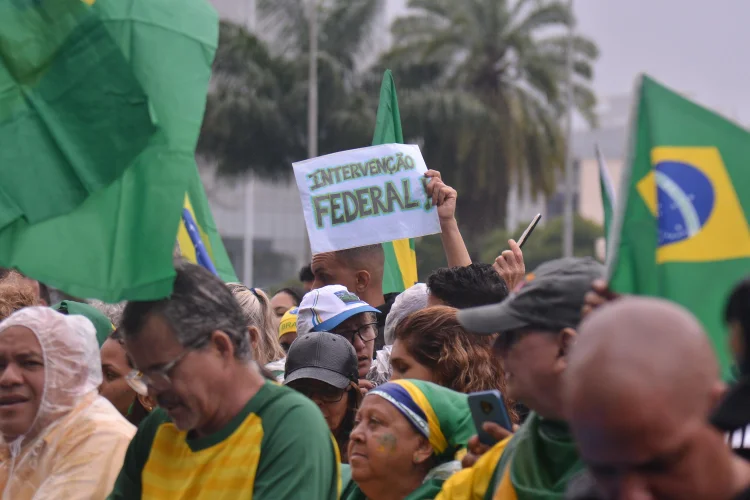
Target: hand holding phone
{"x": 529, "y": 230}
{"x": 488, "y": 406}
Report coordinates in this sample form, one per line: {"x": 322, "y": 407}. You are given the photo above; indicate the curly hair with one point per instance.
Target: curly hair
{"x": 15, "y": 294}
{"x": 458, "y": 359}
{"x": 467, "y": 286}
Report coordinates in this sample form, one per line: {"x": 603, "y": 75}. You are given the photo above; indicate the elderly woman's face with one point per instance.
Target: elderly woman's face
{"x": 382, "y": 442}
{"x": 21, "y": 380}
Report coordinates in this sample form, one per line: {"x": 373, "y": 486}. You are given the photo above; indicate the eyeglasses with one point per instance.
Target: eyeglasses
{"x": 325, "y": 396}
{"x": 367, "y": 333}
{"x": 159, "y": 378}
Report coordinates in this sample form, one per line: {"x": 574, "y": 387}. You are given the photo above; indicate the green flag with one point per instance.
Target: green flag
{"x": 118, "y": 244}
{"x": 400, "y": 258}
{"x": 73, "y": 116}
{"x": 681, "y": 232}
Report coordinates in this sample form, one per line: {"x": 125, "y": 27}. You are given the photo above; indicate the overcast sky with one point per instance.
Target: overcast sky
{"x": 699, "y": 47}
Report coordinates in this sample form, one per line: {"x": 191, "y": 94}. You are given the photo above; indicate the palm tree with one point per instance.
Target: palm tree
{"x": 252, "y": 99}
{"x": 346, "y": 32}
{"x": 485, "y": 82}
{"x": 257, "y": 103}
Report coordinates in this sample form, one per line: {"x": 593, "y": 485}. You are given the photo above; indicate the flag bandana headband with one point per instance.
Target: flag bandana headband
{"x": 412, "y": 403}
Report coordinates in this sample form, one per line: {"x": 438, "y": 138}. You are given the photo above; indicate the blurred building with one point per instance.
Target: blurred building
{"x": 262, "y": 225}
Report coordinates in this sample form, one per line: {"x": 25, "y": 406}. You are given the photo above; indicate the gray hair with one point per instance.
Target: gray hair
{"x": 413, "y": 299}
{"x": 200, "y": 304}
{"x": 256, "y": 308}
{"x": 112, "y": 311}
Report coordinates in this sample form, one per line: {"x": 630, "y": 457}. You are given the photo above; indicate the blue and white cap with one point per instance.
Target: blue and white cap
{"x": 324, "y": 309}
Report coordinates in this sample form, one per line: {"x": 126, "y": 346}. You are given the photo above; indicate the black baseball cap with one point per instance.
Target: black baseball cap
{"x": 322, "y": 356}
{"x": 551, "y": 298}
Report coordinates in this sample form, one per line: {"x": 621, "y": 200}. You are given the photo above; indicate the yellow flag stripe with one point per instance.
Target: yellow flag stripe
{"x": 407, "y": 261}
{"x": 183, "y": 238}
{"x": 437, "y": 439}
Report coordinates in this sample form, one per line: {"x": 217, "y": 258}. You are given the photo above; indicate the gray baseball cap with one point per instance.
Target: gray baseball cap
{"x": 551, "y": 298}
{"x": 322, "y": 356}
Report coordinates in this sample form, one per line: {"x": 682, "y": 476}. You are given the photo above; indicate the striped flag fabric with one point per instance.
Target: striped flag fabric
{"x": 400, "y": 257}
{"x": 198, "y": 237}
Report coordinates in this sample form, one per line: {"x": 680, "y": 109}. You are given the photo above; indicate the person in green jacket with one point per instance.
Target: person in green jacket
{"x": 405, "y": 440}
{"x": 537, "y": 328}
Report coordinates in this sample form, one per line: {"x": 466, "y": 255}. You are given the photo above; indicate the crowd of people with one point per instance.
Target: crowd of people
{"x": 339, "y": 391}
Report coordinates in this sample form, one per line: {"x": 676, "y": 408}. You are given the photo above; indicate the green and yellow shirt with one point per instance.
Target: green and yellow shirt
{"x": 278, "y": 447}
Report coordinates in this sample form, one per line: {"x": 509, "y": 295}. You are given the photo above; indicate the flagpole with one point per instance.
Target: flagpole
{"x": 312, "y": 97}
{"x": 248, "y": 255}
{"x": 569, "y": 184}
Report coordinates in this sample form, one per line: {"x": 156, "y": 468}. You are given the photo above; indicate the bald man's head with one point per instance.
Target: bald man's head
{"x": 640, "y": 384}
{"x": 359, "y": 269}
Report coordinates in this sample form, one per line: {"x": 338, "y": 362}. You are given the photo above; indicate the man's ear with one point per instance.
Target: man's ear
{"x": 363, "y": 281}
{"x": 223, "y": 344}
{"x": 566, "y": 338}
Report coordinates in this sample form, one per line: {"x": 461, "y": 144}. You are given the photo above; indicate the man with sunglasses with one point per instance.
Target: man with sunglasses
{"x": 334, "y": 309}
{"x": 221, "y": 430}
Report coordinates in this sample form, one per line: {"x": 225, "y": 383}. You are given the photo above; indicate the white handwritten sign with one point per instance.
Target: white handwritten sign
{"x": 365, "y": 196}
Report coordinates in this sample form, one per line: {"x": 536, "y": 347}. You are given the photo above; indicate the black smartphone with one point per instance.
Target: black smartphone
{"x": 488, "y": 406}
{"x": 529, "y": 230}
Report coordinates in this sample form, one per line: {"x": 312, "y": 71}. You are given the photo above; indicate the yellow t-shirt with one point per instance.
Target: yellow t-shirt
{"x": 278, "y": 447}
{"x": 472, "y": 483}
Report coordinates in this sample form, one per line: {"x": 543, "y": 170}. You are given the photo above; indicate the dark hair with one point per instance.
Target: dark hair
{"x": 200, "y": 304}
{"x": 468, "y": 286}
{"x": 738, "y": 311}
{"x": 294, "y": 293}
{"x": 347, "y": 424}
{"x": 306, "y": 274}
{"x": 459, "y": 360}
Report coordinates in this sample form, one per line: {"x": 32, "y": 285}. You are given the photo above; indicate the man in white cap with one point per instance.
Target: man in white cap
{"x": 334, "y": 309}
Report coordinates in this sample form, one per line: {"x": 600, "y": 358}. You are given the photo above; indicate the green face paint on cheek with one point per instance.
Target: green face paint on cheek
{"x": 387, "y": 443}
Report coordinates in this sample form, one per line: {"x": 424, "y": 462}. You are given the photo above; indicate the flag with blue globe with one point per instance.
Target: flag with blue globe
{"x": 681, "y": 231}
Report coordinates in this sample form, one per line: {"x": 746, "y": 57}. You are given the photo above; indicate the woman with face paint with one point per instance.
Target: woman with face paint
{"x": 406, "y": 438}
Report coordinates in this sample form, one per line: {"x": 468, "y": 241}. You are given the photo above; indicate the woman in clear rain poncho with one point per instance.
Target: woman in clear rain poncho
{"x": 58, "y": 437}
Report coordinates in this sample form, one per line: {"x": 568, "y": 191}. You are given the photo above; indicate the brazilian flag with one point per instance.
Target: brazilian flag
{"x": 400, "y": 259}
{"x": 680, "y": 230}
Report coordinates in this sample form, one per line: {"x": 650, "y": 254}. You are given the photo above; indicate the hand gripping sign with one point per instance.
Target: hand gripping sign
{"x": 365, "y": 196}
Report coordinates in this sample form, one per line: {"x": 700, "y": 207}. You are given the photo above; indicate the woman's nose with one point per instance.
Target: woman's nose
{"x": 357, "y": 433}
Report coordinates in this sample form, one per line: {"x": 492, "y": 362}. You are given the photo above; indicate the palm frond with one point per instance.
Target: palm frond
{"x": 545, "y": 14}
{"x": 349, "y": 28}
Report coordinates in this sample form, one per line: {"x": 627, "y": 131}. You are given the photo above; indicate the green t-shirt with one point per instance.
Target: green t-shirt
{"x": 278, "y": 447}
